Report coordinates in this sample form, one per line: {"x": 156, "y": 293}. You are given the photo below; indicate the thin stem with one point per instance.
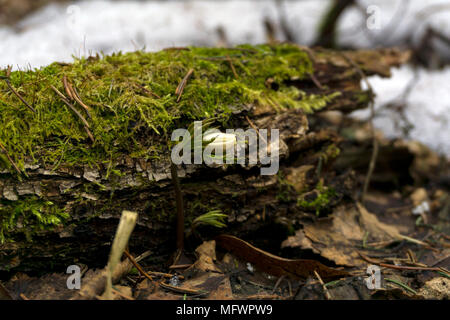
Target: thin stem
{"x": 180, "y": 207}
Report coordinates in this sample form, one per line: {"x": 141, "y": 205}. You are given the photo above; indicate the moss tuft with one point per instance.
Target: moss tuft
{"x": 133, "y": 101}
{"x": 323, "y": 195}
{"x": 29, "y": 216}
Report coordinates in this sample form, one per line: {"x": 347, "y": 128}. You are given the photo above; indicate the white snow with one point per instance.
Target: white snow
{"x": 427, "y": 106}
{"x": 58, "y": 31}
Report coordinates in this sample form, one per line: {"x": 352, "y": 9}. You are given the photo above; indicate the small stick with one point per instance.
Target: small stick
{"x": 316, "y": 82}
{"x": 183, "y": 290}
{"x": 142, "y": 271}
{"x": 165, "y": 275}
{"x": 232, "y": 67}
{"x": 9, "y": 158}
{"x": 327, "y": 293}
{"x": 182, "y": 85}
{"x": 255, "y": 128}
{"x": 367, "y": 259}
{"x": 391, "y": 266}
{"x": 265, "y": 297}
{"x": 73, "y": 94}
{"x": 275, "y": 287}
{"x": 66, "y": 87}
{"x": 121, "y": 294}
{"x": 259, "y": 134}
{"x": 180, "y": 266}
{"x": 147, "y": 91}
{"x": 8, "y": 83}
{"x": 77, "y": 98}
{"x": 180, "y": 206}
{"x": 374, "y": 156}
{"x": 24, "y": 297}
{"x": 177, "y": 49}
{"x": 126, "y": 225}
{"x": 86, "y": 124}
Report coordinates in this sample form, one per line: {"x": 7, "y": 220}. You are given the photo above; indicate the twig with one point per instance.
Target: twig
{"x": 143, "y": 256}
{"x": 325, "y": 289}
{"x": 165, "y": 275}
{"x": 66, "y": 87}
{"x": 183, "y": 290}
{"x": 232, "y": 67}
{"x": 367, "y": 259}
{"x": 177, "y": 49}
{"x": 316, "y": 82}
{"x": 77, "y": 98}
{"x": 180, "y": 207}
{"x": 86, "y": 124}
{"x": 8, "y": 83}
{"x": 24, "y": 297}
{"x": 374, "y": 156}
{"x": 142, "y": 271}
{"x": 126, "y": 225}
{"x": 277, "y": 283}
{"x": 121, "y": 294}
{"x": 256, "y": 129}
{"x": 266, "y": 297}
{"x": 180, "y": 266}
{"x": 9, "y": 158}
{"x": 182, "y": 85}
{"x": 391, "y": 266}
{"x": 147, "y": 91}
{"x": 73, "y": 94}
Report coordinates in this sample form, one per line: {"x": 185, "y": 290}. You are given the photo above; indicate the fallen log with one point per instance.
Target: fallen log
{"x": 79, "y": 170}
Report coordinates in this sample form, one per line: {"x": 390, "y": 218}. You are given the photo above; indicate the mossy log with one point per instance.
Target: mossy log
{"x": 66, "y": 176}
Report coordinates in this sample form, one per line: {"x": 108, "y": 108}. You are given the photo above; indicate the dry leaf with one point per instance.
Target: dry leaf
{"x": 336, "y": 238}
{"x": 274, "y": 265}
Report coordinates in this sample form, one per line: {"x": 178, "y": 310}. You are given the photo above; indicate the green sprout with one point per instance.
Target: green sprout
{"x": 213, "y": 218}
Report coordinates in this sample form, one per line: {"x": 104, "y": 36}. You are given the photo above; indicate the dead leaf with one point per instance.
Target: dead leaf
{"x": 206, "y": 253}
{"x": 338, "y": 237}
{"x": 274, "y": 265}
{"x": 377, "y": 229}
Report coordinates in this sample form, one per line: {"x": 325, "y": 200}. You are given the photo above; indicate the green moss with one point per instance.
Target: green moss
{"x": 364, "y": 97}
{"x": 29, "y": 216}
{"x": 319, "y": 203}
{"x": 133, "y": 103}
{"x": 285, "y": 188}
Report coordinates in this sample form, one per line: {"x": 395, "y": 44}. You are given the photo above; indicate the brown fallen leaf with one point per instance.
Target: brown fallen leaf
{"x": 206, "y": 255}
{"x": 339, "y": 237}
{"x": 274, "y": 265}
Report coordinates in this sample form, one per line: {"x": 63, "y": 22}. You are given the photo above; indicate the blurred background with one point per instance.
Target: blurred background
{"x": 413, "y": 104}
